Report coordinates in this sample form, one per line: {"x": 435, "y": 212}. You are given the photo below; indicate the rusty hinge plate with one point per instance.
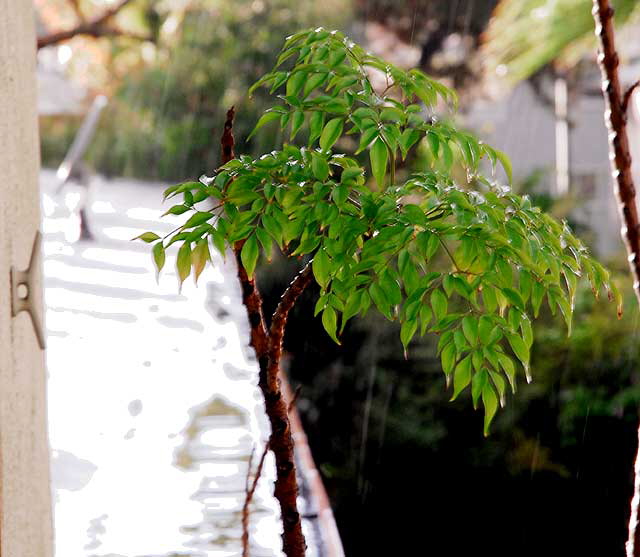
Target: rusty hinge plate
{"x": 23, "y": 287}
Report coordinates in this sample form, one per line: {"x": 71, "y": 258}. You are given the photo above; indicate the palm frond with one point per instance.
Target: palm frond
{"x": 525, "y": 35}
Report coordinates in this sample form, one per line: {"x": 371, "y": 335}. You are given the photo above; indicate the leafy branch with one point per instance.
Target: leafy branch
{"x": 373, "y": 242}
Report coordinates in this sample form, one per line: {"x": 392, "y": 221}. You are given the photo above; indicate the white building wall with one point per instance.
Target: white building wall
{"x": 523, "y": 126}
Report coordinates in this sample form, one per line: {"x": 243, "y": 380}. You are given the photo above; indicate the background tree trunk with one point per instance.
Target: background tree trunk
{"x": 25, "y": 501}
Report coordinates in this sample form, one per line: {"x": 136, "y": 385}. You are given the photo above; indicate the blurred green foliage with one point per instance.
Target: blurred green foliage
{"x": 166, "y": 117}
{"x": 525, "y": 35}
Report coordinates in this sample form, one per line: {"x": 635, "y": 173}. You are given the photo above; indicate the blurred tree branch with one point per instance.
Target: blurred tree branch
{"x": 96, "y": 27}
{"x": 78, "y": 10}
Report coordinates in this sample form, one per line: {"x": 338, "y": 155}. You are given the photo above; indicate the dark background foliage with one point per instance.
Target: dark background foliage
{"x": 409, "y": 471}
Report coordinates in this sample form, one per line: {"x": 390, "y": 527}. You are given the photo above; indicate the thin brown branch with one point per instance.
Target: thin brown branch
{"x": 93, "y": 28}
{"x": 286, "y": 488}
{"x": 280, "y": 442}
{"x": 279, "y": 321}
{"x": 627, "y": 96}
{"x": 250, "y": 490}
{"x": 620, "y": 157}
{"x": 250, "y": 294}
{"x": 227, "y": 141}
{"x": 109, "y": 13}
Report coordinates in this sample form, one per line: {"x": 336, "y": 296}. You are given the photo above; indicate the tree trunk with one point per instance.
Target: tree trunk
{"x": 281, "y": 442}
{"x": 25, "y": 500}
{"x": 616, "y": 120}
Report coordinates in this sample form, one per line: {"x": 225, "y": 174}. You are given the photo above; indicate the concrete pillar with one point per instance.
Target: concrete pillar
{"x": 25, "y": 500}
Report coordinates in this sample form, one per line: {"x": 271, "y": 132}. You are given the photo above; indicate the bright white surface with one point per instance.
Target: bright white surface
{"x": 153, "y": 406}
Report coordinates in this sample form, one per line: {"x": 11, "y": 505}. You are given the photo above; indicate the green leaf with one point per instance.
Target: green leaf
{"x": 392, "y": 114}
{"x": 331, "y": 133}
{"x": 490, "y": 401}
{"x": 330, "y": 323}
{"x": 264, "y": 119}
{"x": 340, "y": 194}
{"x": 352, "y": 307}
{"x": 177, "y": 210}
{"x": 380, "y": 299}
{"x": 509, "y": 369}
{"x": 461, "y": 376}
{"x": 448, "y": 357}
{"x": 521, "y": 350}
{"x": 478, "y": 383}
{"x": 527, "y": 331}
{"x": 197, "y": 219}
{"x": 537, "y": 295}
{"x": 485, "y": 328}
{"x": 425, "y": 318}
{"x": 159, "y": 256}
{"x": 249, "y": 254}
{"x": 314, "y": 82}
{"x": 316, "y": 121}
{"x": 367, "y": 137}
{"x": 379, "y": 157}
{"x": 147, "y": 237}
{"x": 439, "y": 303}
{"x": 445, "y": 339}
{"x": 321, "y": 267}
{"x": 295, "y": 83}
{"x": 183, "y": 262}
{"x": 219, "y": 241}
{"x": 434, "y": 144}
{"x": 266, "y": 242}
{"x": 500, "y": 386}
{"x": 565, "y": 308}
{"x": 407, "y": 331}
{"x": 514, "y": 297}
{"x": 296, "y": 122}
{"x": 447, "y": 155}
{"x": 408, "y": 138}
{"x": 199, "y": 257}
{"x": 506, "y": 164}
{"x": 470, "y": 329}
{"x": 351, "y": 173}
{"x": 319, "y": 166}
{"x": 391, "y": 287}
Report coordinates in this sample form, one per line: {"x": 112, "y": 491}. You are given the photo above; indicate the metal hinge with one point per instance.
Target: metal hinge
{"x": 23, "y": 287}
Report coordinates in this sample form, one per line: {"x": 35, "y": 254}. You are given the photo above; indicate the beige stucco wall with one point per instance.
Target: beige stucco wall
{"x": 25, "y": 502}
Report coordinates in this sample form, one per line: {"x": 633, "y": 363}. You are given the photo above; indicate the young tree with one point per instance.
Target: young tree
{"x": 370, "y": 240}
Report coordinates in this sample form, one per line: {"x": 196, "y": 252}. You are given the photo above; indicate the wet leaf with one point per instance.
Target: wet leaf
{"x": 461, "y": 376}
{"x": 147, "y": 237}
{"x": 199, "y": 258}
{"x": 183, "y": 262}
{"x": 329, "y": 322}
{"x": 379, "y": 157}
{"x": 249, "y": 254}
{"x": 331, "y": 133}
{"x": 159, "y": 256}
{"x": 490, "y": 401}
